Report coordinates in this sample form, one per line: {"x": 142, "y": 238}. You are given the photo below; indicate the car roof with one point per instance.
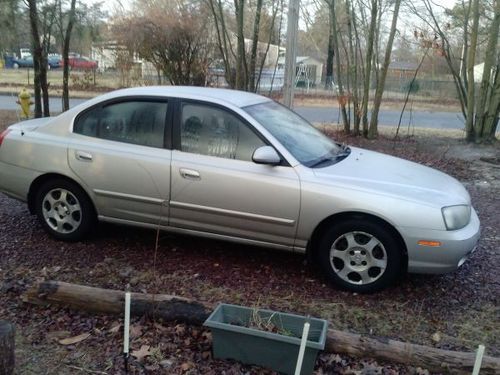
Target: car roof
{"x": 234, "y": 97}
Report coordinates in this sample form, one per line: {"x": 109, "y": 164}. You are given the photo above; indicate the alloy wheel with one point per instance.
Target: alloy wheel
{"x": 358, "y": 258}
{"x": 62, "y": 211}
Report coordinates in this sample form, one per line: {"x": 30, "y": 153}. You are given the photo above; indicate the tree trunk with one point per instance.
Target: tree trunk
{"x": 169, "y": 307}
{"x": 241, "y": 65}
{"x": 269, "y": 40}
{"x": 65, "y": 55}
{"x": 353, "y": 69}
{"x": 358, "y": 53}
{"x": 368, "y": 69}
{"x": 222, "y": 43}
{"x": 373, "y": 131}
{"x": 341, "y": 94}
{"x": 255, "y": 43}
{"x": 37, "y": 56}
{"x": 44, "y": 85}
{"x": 493, "y": 114}
{"x": 330, "y": 52}
{"x": 485, "y": 91}
{"x": 7, "y": 343}
{"x": 471, "y": 60}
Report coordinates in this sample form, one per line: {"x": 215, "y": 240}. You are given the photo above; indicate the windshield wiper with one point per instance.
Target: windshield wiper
{"x": 332, "y": 158}
{"x": 322, "y": 160}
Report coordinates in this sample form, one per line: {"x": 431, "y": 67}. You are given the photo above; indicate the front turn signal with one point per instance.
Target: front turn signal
{"x": 429, "y": 243}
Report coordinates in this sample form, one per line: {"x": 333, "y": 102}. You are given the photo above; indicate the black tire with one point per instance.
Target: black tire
{"x": 71, "y": 216}
{"x": 348, "y": 243}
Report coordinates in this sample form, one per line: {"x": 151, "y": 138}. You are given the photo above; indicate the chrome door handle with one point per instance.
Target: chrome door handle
{"x": 189, "y": 174}
{"x": 83, "y": 156}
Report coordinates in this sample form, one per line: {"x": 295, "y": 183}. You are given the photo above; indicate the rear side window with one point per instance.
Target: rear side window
{"x": 137, "y": 122}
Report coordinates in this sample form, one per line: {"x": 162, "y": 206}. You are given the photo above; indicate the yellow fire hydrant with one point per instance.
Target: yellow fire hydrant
{"x": 24, "y": 100}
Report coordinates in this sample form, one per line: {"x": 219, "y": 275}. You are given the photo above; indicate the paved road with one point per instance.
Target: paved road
{"x": 423, "y": 119}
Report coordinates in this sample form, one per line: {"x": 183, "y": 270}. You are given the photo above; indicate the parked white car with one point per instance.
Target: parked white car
{"x": 237, "y": 166}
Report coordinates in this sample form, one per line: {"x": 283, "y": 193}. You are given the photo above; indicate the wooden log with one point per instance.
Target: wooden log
{"x": 7, "y": 343}
{"x": 432, "y": 359}
{"x": 109, "y": 301}
{"x": 172, "y": 308}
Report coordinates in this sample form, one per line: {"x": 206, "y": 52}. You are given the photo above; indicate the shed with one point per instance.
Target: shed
{"x": 308, "y": 68}
{"x": 402, "y": 69}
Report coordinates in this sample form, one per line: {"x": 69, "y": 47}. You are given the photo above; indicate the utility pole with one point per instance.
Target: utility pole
{"x": 291, "y": 52}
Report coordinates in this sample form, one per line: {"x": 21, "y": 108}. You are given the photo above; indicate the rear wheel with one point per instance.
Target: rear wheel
{"x": 64, "y": 210}
{"x": 360, "y": 255}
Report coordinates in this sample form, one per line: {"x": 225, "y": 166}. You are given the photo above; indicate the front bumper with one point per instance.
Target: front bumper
{"x": 455, "y": 247}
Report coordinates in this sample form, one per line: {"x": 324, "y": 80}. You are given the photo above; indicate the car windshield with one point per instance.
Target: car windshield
{"x": 307, "y": 144}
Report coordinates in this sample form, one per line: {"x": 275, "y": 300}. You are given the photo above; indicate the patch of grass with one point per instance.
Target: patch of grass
{"x": 7, "y": 118}
{"x": 478, "y": 327}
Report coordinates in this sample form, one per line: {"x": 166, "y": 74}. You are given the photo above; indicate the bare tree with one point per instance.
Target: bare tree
{"x": 65, "y": 31}
{"x": 471, "y": 59}
{"x": 229, "y": 21}
{"x": 373, "y": 131}
{"x": 485, "y": 121}
{"x": 255, "y": 42}
{"x": 173, "y": 39}
{"x": 334, "y": 43}
{"x": 37, "y": 56}
{"x": 480, "y": 108}
{"x": 368, "y": 61}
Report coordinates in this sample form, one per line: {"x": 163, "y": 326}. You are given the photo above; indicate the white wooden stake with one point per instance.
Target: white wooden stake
{"x": 479, "y": 360}
{"x": 126, "y": 324}
{"x": 302, "y": 348}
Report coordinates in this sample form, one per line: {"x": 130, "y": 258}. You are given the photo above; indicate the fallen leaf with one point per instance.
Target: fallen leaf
{"x": 142, "y": 352}
{"x": 114, "y": 329}
{"x": 205, "y": 355}
{"x": 56, "y": 335}
{"x": 160, "y": 328}
{"x": 180, "y": 329}
{"x": 135, "y": 331}
{"x": 187, "y": 366}
{"x": 436, "y": 337}
{"x": 75, "y": 339}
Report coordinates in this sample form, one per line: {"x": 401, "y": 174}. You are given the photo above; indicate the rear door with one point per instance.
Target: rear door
{"x": 120, "y": 150}
{"x": 217, "y": 188}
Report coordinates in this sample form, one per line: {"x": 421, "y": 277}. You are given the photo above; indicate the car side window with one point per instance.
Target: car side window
{"x": 208, "y": 130}
{"x": 86, "y": 123}
{"x": 136, "y": 122}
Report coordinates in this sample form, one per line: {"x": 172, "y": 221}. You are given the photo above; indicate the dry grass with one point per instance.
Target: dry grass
{"x": 7, "y": 118}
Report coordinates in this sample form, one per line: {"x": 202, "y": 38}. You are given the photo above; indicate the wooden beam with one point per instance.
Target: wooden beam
{"x": 7, "y": 343}
{"x": 109, "y": 301}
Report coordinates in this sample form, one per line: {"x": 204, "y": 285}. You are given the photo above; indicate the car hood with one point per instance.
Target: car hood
{"x": 387, "y": 175}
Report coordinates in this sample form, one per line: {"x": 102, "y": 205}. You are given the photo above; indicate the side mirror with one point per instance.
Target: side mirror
{"x": 266, "y": 155}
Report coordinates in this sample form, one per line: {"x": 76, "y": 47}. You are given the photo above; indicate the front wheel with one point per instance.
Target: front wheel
{"x": 64, "y": 210}
{"x": 360, "y": 255}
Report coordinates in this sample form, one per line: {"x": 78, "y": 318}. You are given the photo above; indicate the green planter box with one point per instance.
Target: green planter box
{"x": 233, "y": 339}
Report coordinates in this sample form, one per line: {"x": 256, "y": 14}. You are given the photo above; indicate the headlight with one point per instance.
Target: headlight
{"x": 456, "y": 217}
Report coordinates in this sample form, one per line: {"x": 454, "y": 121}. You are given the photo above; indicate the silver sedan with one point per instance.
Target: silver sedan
{"x": 240, "y": 167}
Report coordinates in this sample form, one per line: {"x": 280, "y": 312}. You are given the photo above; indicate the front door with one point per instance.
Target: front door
{"x": 217, "y": 188}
